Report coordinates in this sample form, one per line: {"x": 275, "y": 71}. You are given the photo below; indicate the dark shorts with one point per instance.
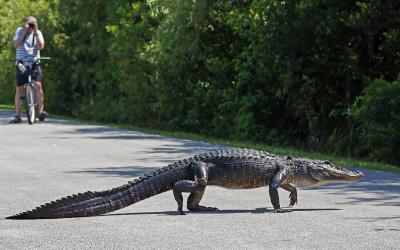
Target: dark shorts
{"x": 36, "y": 77}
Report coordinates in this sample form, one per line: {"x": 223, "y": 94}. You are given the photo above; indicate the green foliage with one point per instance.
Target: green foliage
{"x": 378, "y": 113}
{"x": 279, "y": 72}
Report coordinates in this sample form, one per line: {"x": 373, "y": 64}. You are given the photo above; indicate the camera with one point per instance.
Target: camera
{"x": 31, "y": 25}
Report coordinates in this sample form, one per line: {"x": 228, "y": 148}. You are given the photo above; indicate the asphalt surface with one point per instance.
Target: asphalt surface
{"x": 50, "y": 160}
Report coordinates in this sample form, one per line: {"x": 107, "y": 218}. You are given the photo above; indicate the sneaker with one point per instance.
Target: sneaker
{"x": 43, "y": 116}
{"x": 16, "y": 119}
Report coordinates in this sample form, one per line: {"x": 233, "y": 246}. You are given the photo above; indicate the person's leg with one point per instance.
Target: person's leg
{"x": 37, "y": 81}
{"x": 39, "y": 96}
{"x": 19, "y": 91}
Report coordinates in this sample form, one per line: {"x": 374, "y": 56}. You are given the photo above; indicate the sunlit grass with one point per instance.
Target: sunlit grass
{"x": 7, "y": 107}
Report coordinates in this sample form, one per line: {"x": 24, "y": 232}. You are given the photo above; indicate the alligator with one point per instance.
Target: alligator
{"x": 230, "y": 168}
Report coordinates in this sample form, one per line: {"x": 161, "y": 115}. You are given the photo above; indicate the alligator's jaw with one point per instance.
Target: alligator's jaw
{"x": 335, "y": 174}
{"x": 352, "y": 176}
{"x": 308, "y": 172}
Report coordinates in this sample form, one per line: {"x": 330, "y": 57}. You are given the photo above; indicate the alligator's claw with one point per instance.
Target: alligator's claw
{"x": 293, "y": 199}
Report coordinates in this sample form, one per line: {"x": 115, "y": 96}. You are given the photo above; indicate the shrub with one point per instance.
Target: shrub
{"x": 378, "y": 113}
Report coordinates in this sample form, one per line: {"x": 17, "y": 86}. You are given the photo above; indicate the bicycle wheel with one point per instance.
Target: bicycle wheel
{"x": 30, "y": 103}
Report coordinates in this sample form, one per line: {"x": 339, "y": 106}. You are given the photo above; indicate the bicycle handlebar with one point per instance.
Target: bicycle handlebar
{"x": 38, "y": 59}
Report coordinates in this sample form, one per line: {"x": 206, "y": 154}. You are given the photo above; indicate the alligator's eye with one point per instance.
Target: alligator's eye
{"x": 328, "y": 162}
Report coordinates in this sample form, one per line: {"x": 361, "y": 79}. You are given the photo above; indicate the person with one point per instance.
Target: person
{"x": 28, "y": 41}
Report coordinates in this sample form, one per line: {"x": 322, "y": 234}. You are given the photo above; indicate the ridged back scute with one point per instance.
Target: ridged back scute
{"x": 235, "y": 153}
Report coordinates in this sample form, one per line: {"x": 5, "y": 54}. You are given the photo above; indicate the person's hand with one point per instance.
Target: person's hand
{"x": 35, "y": 28}
{"x": 26, "y": 27}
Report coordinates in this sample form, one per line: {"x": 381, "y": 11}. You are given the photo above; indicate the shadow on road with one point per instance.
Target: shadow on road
{"x": 378, "y": 218}
{"x": 172, "y": 145}
{"x": 226, "y": 211}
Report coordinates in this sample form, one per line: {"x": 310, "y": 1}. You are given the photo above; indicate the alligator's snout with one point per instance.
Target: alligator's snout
{"x": 355, "y": 176}
{"x": 347, "y": 175}
{"x": 328, "y": 172}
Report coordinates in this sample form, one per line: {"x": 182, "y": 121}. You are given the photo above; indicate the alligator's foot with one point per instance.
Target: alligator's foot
{"x": 293, "y": 199}
{"x": 199, "y": 208}
{"x": 280, "y": 210}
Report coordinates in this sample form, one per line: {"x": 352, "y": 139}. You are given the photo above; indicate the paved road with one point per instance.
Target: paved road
{"x": 47, "y": 161}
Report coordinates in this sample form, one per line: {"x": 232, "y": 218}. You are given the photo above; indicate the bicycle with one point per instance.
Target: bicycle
{"x": 29, "y": 90}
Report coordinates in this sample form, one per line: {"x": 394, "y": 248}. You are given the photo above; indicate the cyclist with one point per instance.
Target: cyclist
{"x": 28, "y": 41}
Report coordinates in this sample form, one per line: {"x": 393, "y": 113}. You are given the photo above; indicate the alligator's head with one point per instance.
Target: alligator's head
{"x": 307, "y": 173}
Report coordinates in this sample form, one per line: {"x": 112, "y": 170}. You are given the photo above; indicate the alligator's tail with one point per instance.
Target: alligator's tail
{"x": 96, "y": 203}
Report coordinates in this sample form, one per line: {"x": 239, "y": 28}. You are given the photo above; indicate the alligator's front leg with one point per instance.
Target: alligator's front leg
{"x": 293, "y": 193}
{"x": 196, "y": 189}
{"x": 273, "y": 190}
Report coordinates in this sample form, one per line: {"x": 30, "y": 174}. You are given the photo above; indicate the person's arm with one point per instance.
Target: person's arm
{"x": 40, "y": 40}
{"x": 19, "y": 37}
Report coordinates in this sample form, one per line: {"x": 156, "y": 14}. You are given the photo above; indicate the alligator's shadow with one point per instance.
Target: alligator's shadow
{"x": 226, "y": 211}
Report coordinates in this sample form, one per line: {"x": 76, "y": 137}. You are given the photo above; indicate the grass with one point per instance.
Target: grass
{"x": 241, "y": 144}
{"x": 6, "y": 107}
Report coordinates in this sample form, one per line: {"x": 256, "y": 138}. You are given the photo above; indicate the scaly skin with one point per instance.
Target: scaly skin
{"x": 233, "y": 169}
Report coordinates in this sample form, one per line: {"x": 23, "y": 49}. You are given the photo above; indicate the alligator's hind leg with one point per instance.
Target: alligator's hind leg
{"x": 293, "y": 193}
{"x": 195, "y": 188}
{"x": 273, "y": 190}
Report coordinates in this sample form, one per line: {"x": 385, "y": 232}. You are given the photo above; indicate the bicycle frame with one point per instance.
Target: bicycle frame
{"x": 30, "y": 100}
